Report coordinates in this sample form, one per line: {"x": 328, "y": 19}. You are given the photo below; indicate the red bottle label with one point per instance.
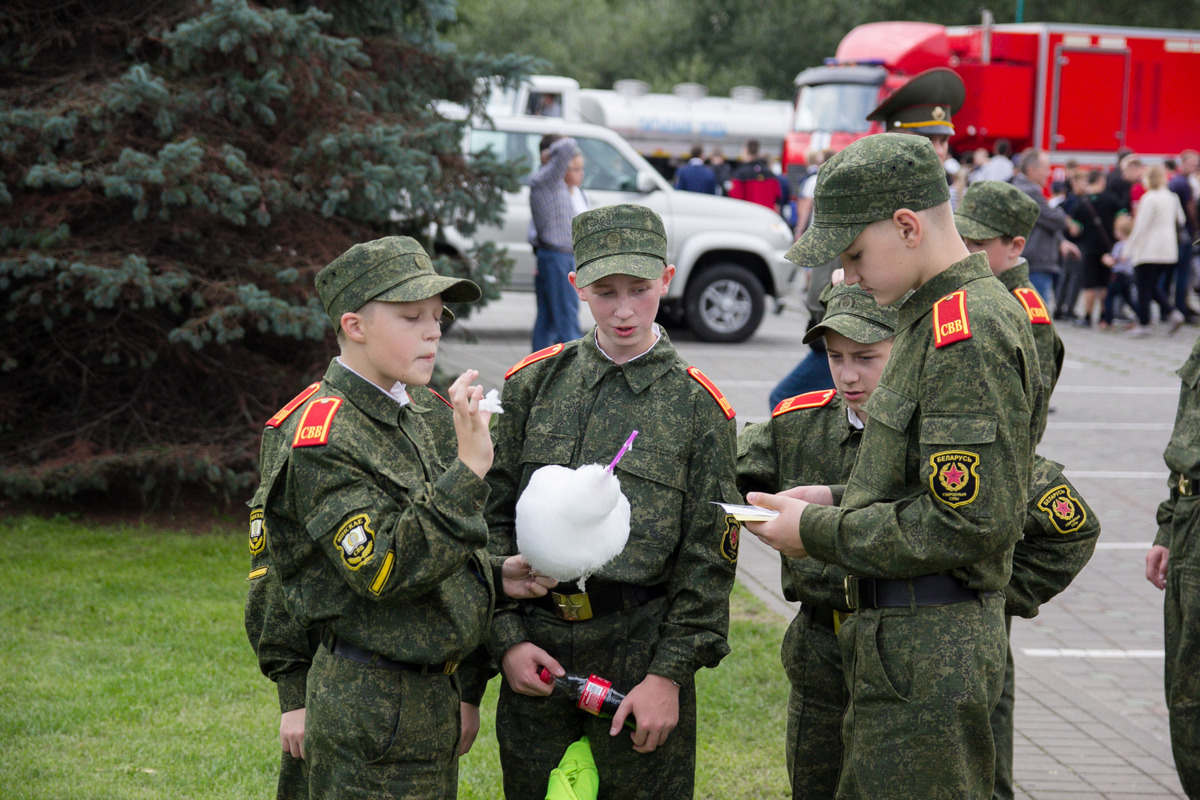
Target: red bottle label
{"x": 594, "y": 692}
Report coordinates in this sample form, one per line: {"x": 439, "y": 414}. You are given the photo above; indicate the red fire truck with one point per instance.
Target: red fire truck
{"x": 1078, "y": 91}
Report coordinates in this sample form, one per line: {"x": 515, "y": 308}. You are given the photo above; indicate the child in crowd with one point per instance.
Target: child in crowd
{"x": 1120, "y": 286}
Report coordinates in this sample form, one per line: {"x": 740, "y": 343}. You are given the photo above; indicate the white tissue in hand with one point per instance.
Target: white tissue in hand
{"x": 571, "y": 522}
{"x": 491, "y": 402}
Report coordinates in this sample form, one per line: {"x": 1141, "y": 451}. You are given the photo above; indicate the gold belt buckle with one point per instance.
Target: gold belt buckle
{"x": 1185, "y": 485}
{"x": 573, "y": 607}
{"x": 849, "y": 588}
{"x": 450, "y": 667}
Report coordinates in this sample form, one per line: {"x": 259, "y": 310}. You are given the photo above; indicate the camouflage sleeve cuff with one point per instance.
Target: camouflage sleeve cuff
{"x": 818, "y": 532}
{"x": 507, "y": 631}
{"x": 838, "y": 491}
{"x": 291, "y": 688}
{"x": 462, "y": 493}
{"x": 673, "y": 660}
{"x": 1163, "y": 537}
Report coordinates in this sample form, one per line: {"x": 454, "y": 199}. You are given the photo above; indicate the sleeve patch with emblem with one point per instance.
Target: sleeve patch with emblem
{"x": 258, "y": 531}
{"x": 1066, "y": 513}
{"x": 315, "y": 424}
{"x": 730, "y": 539}
{"x": 533, "y": 358}
{"x": 955, "y": 477}
{"x": 950, "y": 323}
{"x": 1034, "y": 307}
{"x": 712, "y": 389}
{"x": 356, "y": 541}
{"x": 293, "y": 404}
{"x": 816, "y": 399}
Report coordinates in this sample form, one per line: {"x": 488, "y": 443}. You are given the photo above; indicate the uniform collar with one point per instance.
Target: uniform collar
{"x": 959, "y": 274}
{"x": 639, "y": 372}
{"x": 848, "y": 428}
{"x": 1015, "y": 277}
{"x": 366, "y": 396}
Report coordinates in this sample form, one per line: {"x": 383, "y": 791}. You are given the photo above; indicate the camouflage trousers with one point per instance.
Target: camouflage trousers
{"x": 1181, "y": 635}
{"x": 293, "y": 779}
{"x": 812, "y": 661}
{"x": 923, "y": 682}
{"x": 1002, "y": 727}
{"x": 533, "y": 732}
{"x": 372, "y": 732}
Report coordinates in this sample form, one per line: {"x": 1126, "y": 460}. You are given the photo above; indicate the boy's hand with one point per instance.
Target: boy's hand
{"x": 291, "y": 732}
{"x": 471, "y": 424}
{"x": 654, "y": 703}
{"x": 1156, "y": 565}
{"x": 821, "y": 495}
{"x": 522, "y": 663}
{"x": 783, "y": 532}
{"x": 470, "y": 727}
{"x": 521, "y": 582}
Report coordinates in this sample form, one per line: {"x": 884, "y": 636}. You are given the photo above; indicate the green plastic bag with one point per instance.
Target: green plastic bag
{"x": 575, "y": 777}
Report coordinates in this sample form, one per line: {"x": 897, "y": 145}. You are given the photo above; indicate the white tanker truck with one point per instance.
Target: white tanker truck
{"x": 661, "y": 126}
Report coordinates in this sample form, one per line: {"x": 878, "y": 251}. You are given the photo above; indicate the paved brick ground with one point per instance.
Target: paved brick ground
{"x": 1090, "y": 717}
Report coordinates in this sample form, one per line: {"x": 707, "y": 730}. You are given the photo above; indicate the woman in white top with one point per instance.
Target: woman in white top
{"x": 1154, "y": 248}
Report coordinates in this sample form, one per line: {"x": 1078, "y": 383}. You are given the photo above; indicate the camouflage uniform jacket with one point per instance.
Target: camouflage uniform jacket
{"x": 1182, "y": 455}
{"x": 943, "y": 478}
{"x": 1059, "y": 536}
{"x": 376, "y": 533}
{"x": 578, "y": 407}
{"x": 1050, "y": 348}
{"x": 284, "y": 649}
{"x": 813, "y": 445}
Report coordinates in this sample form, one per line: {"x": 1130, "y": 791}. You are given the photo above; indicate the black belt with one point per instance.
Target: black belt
{"x": 607, "y": 599}
{"x": 355, "y": 653}
{"x": 927, "y": 590}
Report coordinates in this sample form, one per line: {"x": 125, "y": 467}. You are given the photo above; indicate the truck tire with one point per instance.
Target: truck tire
{"x": 724, "y": 303}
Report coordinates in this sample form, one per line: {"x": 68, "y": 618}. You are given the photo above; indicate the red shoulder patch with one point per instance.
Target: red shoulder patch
{"x": 315, "y": 424}
{"x": 439, "y": 397}
{"x": 950, "y": 323}
{"x": 533, "y": 358}
{"x": 712, "y": 389}
{"x": 817, "y": 399}
{"x": 1034, "y": 307}
{"x": 293, "y": 404}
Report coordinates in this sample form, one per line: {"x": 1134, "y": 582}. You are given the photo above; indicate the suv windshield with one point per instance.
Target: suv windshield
{"x": 605, "y": 169}
{"x": 835, "y": 107}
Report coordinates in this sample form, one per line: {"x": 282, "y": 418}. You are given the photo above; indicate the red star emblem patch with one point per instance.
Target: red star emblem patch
{"x": 955, "y": 477}
{"x": 1063, "y": 510}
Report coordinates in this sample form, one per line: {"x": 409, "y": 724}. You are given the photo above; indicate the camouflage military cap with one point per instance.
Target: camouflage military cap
{"x": 395, "y": 269}
{"x": 995, "y": 208}
{"x": 618, "y": 240}
{"x": 924, "y": 105}
{"x": 867, "y": 182}
{"x": 854, "y": 314}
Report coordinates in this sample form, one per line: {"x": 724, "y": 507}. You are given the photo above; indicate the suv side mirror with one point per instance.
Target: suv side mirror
{"x": 645, "y": 182}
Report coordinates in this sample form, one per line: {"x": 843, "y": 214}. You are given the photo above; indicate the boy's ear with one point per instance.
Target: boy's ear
{"x": 352, "y": 326}
{"x": 1017, "y": 246}
{"x": 908, "y": 226}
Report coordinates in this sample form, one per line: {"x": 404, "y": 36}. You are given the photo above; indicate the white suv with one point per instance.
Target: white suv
{"x": 728, "y": 254}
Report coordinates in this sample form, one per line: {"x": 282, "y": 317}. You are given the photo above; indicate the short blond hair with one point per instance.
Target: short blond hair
{"x": 1156, "y": 177}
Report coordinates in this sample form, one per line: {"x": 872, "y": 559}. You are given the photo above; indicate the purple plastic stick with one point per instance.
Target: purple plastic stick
{"x": 624, "y": 449}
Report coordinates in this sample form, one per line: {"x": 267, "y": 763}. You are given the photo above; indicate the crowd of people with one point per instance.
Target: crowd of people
{"x": 912, "y": 512}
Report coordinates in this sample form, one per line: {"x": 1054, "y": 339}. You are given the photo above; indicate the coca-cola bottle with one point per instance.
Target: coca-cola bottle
{"x": 592, "y": 694}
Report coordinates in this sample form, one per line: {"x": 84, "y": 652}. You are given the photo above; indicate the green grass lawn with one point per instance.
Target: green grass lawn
{"x": 126, "y": 674}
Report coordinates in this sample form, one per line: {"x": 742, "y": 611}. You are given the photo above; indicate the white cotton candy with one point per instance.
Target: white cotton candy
{"x": 571, "y": 522}
{"x": 491, "y": 402}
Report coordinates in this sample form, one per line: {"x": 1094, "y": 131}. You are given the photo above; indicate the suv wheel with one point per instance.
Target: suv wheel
{"x": 724, "y": 304}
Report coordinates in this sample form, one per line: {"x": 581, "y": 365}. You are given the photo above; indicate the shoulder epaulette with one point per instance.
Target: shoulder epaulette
{"x": 1034, "y": 306}
{"x": 533, "y": 358}
{"x": 712, "y": 389}
{"x": 817, "y": 399}
{"x": 950, "y": 323}
{"x": 315, "y": 424}
{"x": 293, "y": 404}
{"x": 439, "y": 397}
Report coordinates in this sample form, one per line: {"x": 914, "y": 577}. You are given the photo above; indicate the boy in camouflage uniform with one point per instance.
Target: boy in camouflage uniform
{"x": 660, "y": 610}
{"x": 933, "y": 507}
{"x": 996, "y": 218}
{"x": 810, "y": 439}
{"x": 1173, "y": 564}
{"x": 374, "y": 527}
